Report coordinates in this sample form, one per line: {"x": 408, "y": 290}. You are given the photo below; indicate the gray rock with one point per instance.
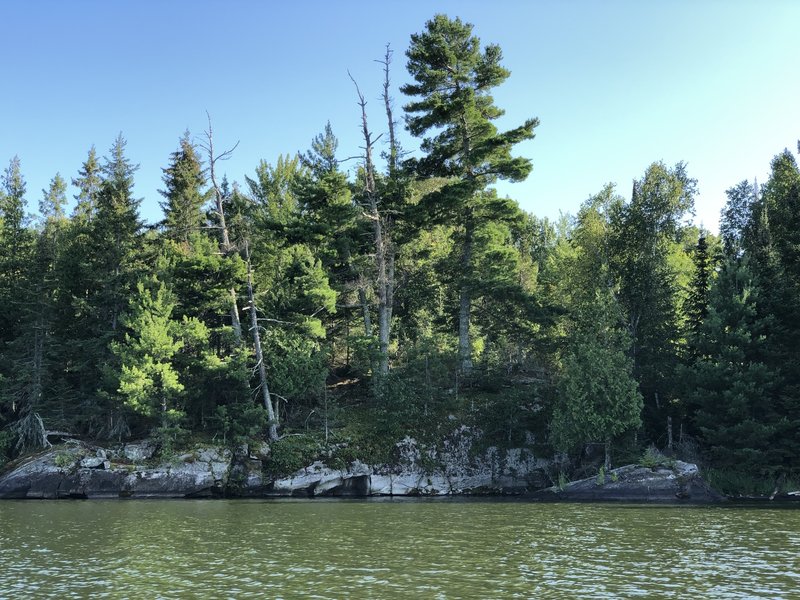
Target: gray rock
{"x": 633, "y": 483}
{"x": 92, "y": 462}
{"x": 137, "y": 452}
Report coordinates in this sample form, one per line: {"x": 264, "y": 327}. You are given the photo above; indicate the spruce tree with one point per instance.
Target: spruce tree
{"x": 732, "y": 388}
{"x": 696, "y": 305}
{"x": 184, "y": 182}
{"x": 88, "y": 183}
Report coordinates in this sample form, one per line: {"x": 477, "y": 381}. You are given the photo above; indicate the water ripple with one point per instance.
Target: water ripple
{"x": 390, "y": 549}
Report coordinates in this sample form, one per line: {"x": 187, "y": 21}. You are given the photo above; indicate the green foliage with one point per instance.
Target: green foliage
{"x": 291, "y": 453}
{"x": 643, "y": 236}
{"x": 592, "y": 328}
{"x": 452, "y": 104}
{"x": 239, "y": 423}
{"x": 64, "y": 459}
{"x": 731, "y": 386}
{"x": 183, "y": 180}
{"x": 738, "y": 482}
{"x": 654, "y": 458}
{"x": 601, "y": 476}
{"x": 597, "y": 398}
{"x": 148, "y": 382}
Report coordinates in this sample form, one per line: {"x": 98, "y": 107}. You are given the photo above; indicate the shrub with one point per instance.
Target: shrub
{"x": 653, "y": 458}
{"x": 291, "y": 453}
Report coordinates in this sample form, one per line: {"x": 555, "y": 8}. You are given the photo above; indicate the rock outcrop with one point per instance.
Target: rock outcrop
{"x": 82, "y": 471}
{"x": 678, "y": 482}
{"x": 454, "y": 467}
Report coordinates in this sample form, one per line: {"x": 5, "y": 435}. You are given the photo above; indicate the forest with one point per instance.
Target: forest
{"x": 334, "y": 314}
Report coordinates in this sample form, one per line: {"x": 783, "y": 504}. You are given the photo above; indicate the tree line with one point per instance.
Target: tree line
{"x": 404, "y": 299}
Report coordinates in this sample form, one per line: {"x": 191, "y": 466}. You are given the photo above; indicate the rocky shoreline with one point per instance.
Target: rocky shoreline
{"x": 81, "y": 470}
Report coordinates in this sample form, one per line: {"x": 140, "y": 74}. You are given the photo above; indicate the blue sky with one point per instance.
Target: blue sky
{"x": 616, "y": 85}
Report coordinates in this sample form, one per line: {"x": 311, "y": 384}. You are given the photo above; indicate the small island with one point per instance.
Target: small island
{"x": 401, "y": 327}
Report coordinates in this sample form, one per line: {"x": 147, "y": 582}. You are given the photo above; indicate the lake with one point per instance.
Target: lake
{"x": 394, "y": 549}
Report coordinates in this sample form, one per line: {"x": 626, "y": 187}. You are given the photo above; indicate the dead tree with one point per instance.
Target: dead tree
{"x": 226, "y": 248}
{"x": 260, "y": 366}
{"x": 373, "y": 214}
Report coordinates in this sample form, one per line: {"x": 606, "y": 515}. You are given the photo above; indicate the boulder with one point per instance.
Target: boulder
{"x": 138, "y": 452}
{"x": 679, "y": 482}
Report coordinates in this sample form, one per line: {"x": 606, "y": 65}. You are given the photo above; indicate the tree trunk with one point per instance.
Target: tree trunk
{"x": 669, "y": 432}
{"x": 225, "y": 241}
{"x": 262, "y": 371}
{"x": 465, "y": 302}
{"x": 362, "y": 300}
{"x": 607, "y": 463}
{"x": 380, "y": 243}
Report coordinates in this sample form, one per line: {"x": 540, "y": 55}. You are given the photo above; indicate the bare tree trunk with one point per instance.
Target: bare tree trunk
{"x": 669, "y": 432}
{"x": 387, "y": 102}
{"x": 225, "y": 240}
{"x": 262, "y": 371}
{"x": 380, "y": 245}
{"x": 362, "y": 300}
{"x": 607, "y": 462}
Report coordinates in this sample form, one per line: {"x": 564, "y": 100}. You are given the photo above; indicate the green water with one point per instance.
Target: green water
{"x": 394, "y": 549}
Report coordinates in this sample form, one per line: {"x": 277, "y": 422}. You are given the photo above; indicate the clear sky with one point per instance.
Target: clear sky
{"x": 616, "y": 85}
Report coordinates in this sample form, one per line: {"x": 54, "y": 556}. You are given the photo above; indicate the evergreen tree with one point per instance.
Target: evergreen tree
{"x": 148, "y": 382}
{"x": 183, "y": 181}
{"x": 696, "y": 306}
{"x": 16, "y": 249}
{"x": 88, "y": 183}
{"x": 453, "y": 80}
{"x": 597, "y": 398}
{"x": 775, "y": 250}
{"x": 731, "y": 386}
{"x": 54, "y": 199}
{"x": 115, "y": 233}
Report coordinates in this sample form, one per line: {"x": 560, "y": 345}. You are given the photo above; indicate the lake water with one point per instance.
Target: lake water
{"x": 394, "y": 549}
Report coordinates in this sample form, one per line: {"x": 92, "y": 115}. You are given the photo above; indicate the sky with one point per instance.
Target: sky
{"x": 616, "y": 85}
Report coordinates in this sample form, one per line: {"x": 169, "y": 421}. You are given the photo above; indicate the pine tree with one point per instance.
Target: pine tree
{"x": 453, "y": 80}
{"x": 16, "y": 251}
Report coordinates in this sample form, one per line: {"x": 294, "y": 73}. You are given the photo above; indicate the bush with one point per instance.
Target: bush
{"x": 653, "y": 458}
{"x": 291, "y": 453}
{"x": 170, "y": 434}
{"x": 738, "y": 483}
{"x": 239, "y": 423}
{"x": 64, "y": 459}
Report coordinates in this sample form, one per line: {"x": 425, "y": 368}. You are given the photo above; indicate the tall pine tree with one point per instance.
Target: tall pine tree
{"x": 452, "y": 83}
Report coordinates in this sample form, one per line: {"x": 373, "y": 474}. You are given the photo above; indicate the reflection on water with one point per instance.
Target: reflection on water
{"x": 388, "y": 549}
